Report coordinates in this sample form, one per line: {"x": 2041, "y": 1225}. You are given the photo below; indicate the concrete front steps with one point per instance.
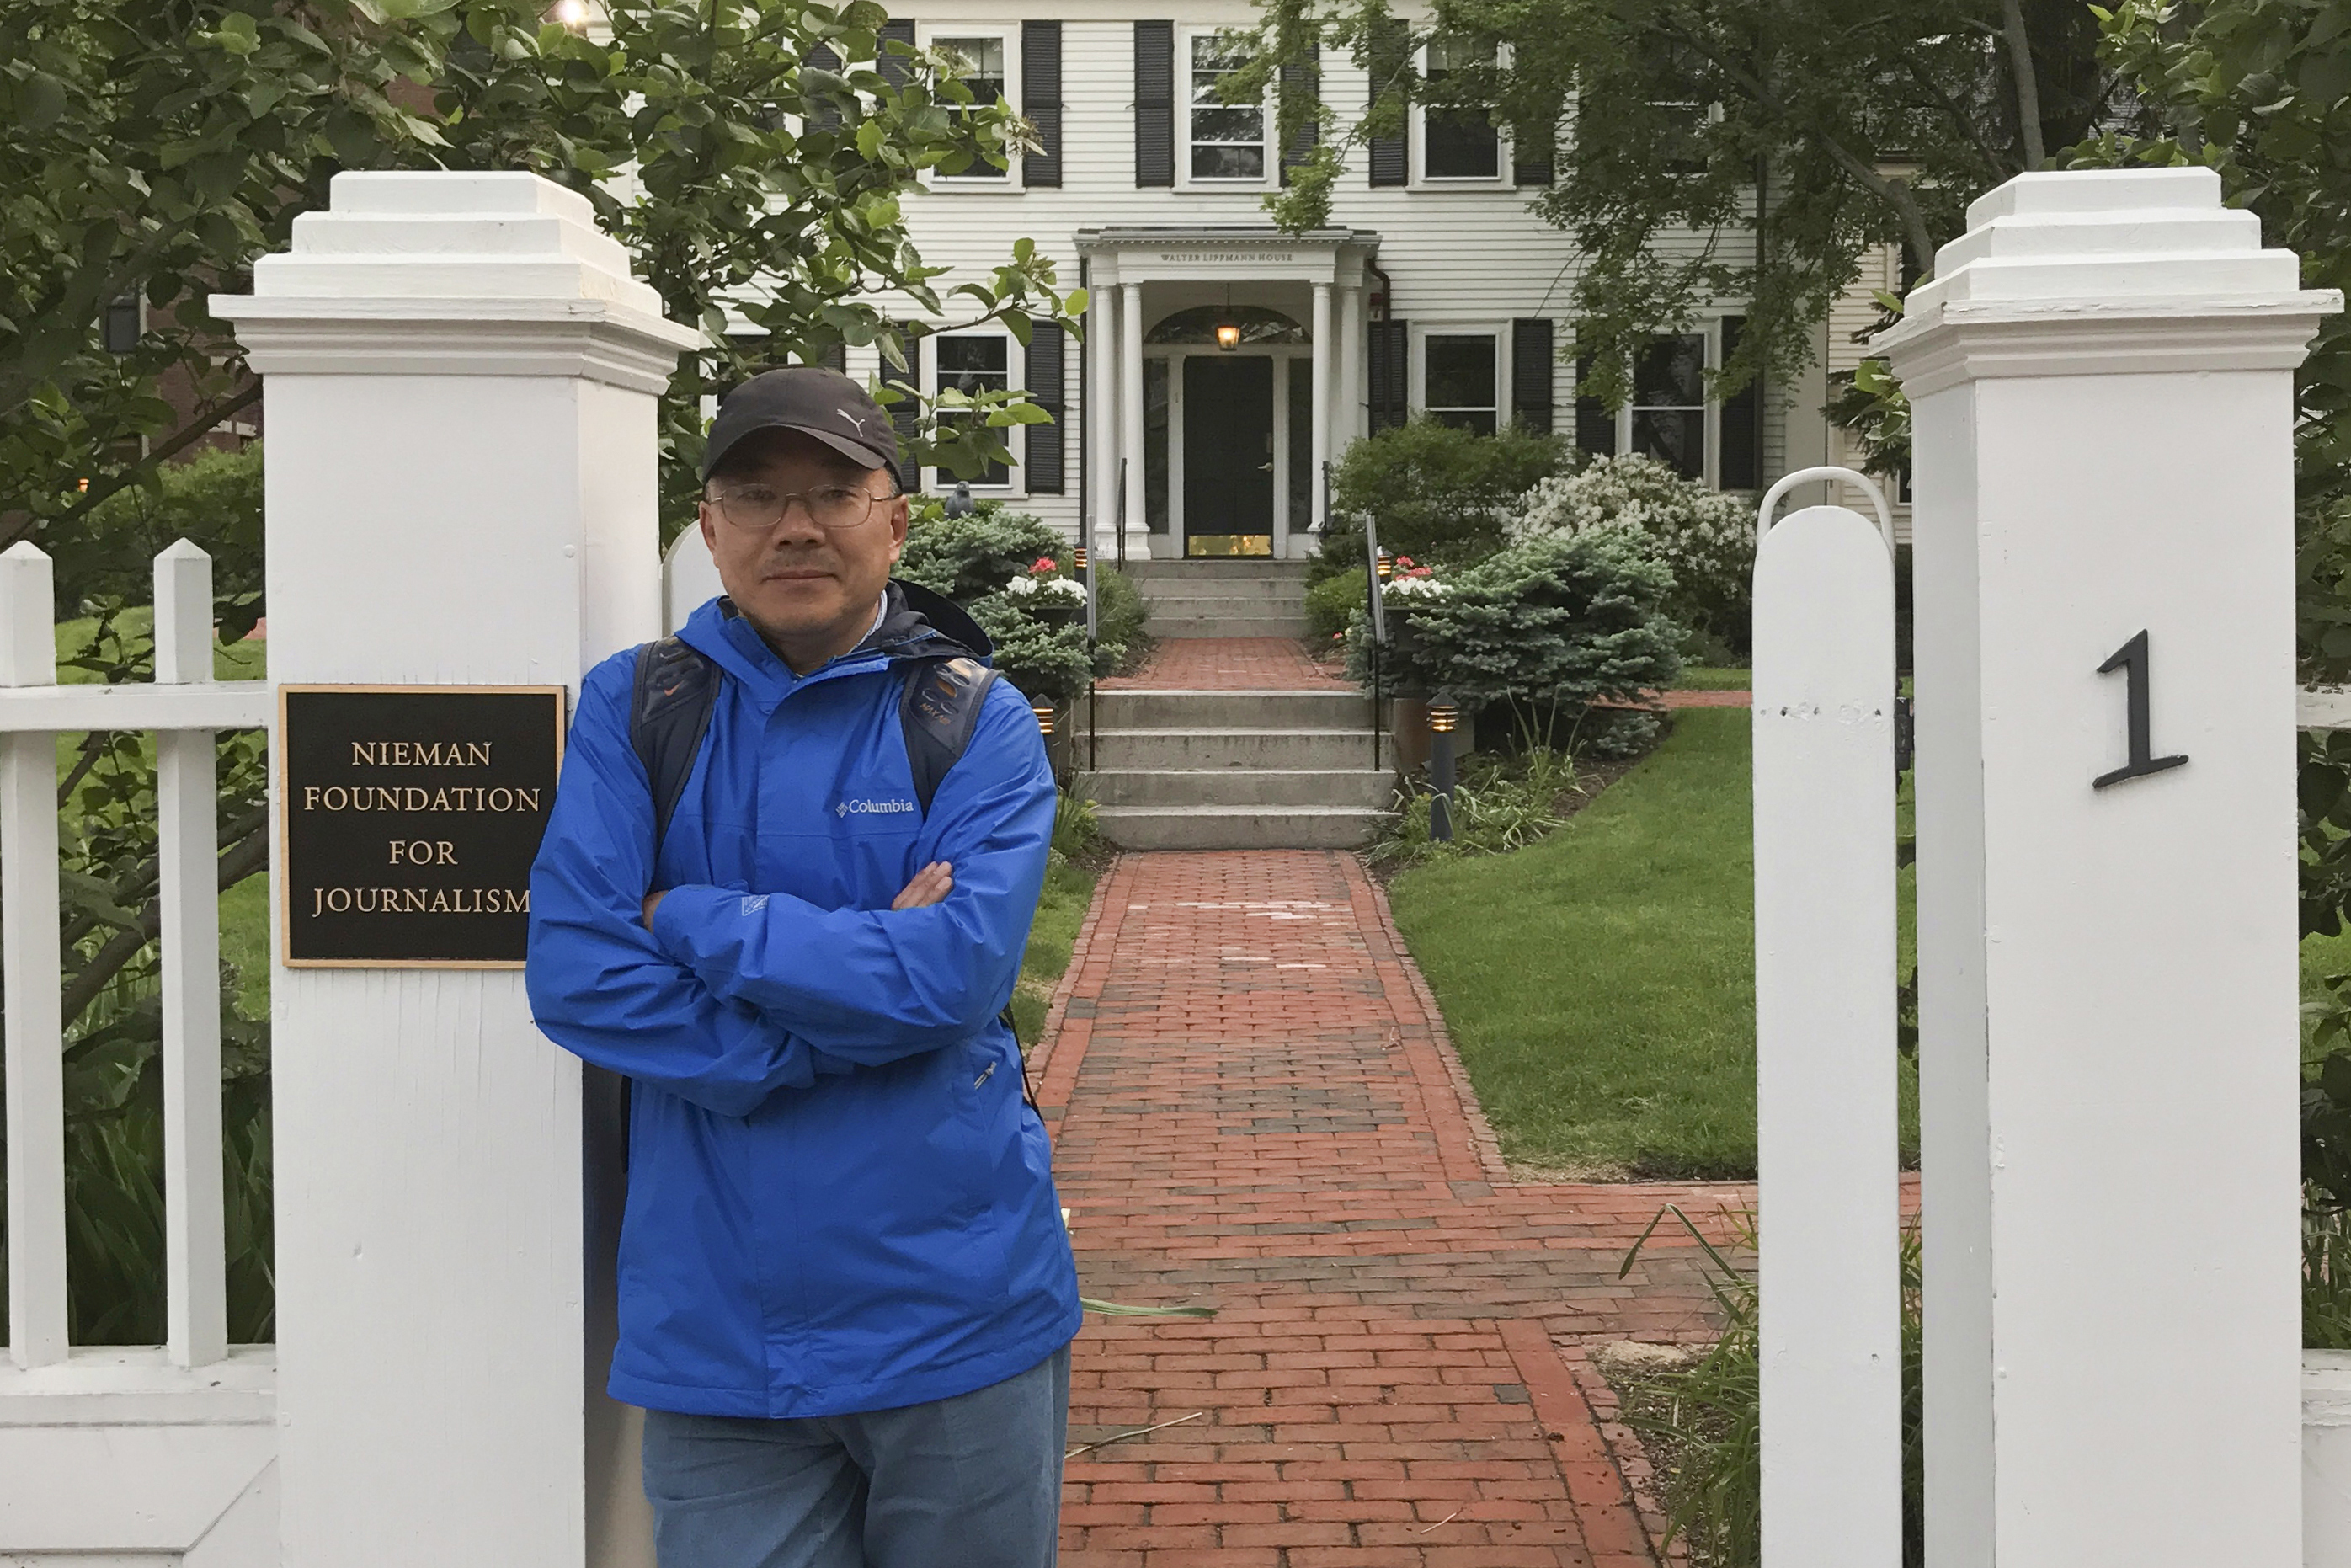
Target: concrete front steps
{"x": 1238, "y": 596}
{"x": 1235, "y": 771}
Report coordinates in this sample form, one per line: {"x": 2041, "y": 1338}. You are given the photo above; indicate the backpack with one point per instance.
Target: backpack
{"x": 677, "y": 689}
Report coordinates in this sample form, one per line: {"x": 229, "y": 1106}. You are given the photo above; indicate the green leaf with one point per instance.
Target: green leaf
{"x": 40, "y": 101}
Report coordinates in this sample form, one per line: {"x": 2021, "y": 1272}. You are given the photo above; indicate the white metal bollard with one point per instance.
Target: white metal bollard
{"x": 2101, "y": 378}
{"x": 1828, "y": 1197}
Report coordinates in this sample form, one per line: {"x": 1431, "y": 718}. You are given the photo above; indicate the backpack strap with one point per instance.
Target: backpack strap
{"x": 668, "y": 713}
{"x": 938, "y": 709}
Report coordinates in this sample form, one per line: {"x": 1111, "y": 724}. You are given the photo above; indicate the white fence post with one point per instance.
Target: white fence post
{"x": 29, "y": 970}
{"x": 2101, "y": 378}
{"x": 462, "y": 488}
{"x": 187, "y": 851}
{"x": 1828, "y": 1200}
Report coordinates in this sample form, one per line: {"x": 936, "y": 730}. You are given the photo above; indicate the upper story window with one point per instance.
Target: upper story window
{"x": 1680, "y": 148}
{"x": 973, "y": 363}
{"x": 1460, "y": 379}
{"x": 1227, "y": 140}
{"x": 983, "y": 64}
{"x": 1459, "y": 143}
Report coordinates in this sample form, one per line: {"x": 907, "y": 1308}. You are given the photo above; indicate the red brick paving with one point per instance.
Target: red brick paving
{"x": 1229, "y": 664}
{"x": 1256, "y": 1109}
{"x": 1703, "y": 699}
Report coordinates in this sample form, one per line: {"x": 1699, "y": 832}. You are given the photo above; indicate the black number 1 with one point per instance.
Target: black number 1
{"x": 2131, "y": 658}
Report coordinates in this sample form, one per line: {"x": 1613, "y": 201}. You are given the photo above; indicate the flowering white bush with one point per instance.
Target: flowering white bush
{"x": 1705, "y": 537}
{"x": 1421, "y": 587}
{"x": 1063, "y": 590}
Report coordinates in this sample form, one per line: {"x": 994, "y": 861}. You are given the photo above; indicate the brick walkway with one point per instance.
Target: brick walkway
{"x": 1228, "y": 664}
{"x": 1255, "y": 1109}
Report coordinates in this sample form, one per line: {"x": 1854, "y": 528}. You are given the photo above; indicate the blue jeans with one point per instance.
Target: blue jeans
{"x": 974, "y": 1481}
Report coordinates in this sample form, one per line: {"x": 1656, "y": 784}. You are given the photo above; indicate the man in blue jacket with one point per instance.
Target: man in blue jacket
{"x": 846, "y": 1293}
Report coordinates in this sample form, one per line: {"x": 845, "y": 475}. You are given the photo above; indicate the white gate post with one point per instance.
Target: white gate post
{"x": 1828, "y": 1200}
{"x": 461, "y": 489}
{"x": 2101, "y": 375}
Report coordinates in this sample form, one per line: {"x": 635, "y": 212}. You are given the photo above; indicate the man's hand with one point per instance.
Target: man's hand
{"x": 931, "y": 885}
{"x": 651, "y": 901}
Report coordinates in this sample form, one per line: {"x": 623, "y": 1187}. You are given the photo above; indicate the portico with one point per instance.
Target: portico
{"x": 1225, "y": 368}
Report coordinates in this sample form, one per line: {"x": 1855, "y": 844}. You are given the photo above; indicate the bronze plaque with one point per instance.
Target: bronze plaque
{"x": 408, "y": 816}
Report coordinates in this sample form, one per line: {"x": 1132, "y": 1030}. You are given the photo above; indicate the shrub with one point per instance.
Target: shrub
{"x": 1497, "y": 808}
{"x": 1544, "y": 628}
{"x": 1706, "y": 537}
{"x": 1119, "y": 612}
{"x": 969, "y": 558}
{"x": 1433, "y": 491}
{"x": 1334, "y": 601}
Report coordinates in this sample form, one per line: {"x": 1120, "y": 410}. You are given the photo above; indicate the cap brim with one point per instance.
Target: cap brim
{"x": 855, "y": 450}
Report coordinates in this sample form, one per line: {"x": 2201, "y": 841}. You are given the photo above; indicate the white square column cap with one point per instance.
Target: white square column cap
{"x": 2105, "y": 271}
{"x": 435, "y": 273}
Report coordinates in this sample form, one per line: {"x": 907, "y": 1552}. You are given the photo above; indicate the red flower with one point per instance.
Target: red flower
{"x": 1404, "y": 560}
{"x": 1044, "y": 563}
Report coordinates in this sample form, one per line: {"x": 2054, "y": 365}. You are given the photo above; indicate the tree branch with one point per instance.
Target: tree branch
{"x": 141, "y": 884}
{"x": 202, "y": 423}
{"x": 2028, "y": 84}
{"x": 248, "y": 856}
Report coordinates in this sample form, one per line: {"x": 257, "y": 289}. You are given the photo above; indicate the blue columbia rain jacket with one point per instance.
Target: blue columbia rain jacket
{"x": 838, "y": 1200}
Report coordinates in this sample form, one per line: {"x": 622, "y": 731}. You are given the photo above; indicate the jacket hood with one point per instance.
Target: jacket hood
{"x": 917, "y": 624}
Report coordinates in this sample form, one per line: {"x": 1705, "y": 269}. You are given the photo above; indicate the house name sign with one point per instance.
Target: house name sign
{"x": 1237, "y": 257}
{"x": 409, "y": 820}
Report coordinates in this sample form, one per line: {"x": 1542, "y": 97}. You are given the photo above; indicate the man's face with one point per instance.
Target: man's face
{"x": 811, "y": 589}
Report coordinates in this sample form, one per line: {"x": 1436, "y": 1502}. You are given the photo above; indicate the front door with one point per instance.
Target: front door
{"x": 1228, "y": 456}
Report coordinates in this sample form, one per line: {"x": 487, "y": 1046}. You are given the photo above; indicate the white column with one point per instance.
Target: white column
{"x": 1129, "y": 416}
{"x": 461, "y": 379}
{"x": 1350, "y": 404}
{"x": 2101, "y": 379}
{"x": 1324, "y": 364}
{"x": 1101, "y": 416}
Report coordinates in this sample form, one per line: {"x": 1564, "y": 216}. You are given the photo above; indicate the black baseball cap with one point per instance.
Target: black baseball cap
{"x": 812, "y": 400}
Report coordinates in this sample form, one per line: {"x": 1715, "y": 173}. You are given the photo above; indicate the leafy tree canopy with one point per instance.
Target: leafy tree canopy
{"x": 154, "y": 149}
{"x": 1865, "y": 122}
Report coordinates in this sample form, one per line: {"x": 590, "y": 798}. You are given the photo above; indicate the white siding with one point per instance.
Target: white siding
{"x": 1457, "y": 256}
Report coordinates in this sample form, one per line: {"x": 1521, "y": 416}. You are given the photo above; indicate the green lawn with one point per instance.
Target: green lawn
{"x": 1600, "y": 983}
{"x": 1713, "y": 678}
{"x": 1061, "y": 910}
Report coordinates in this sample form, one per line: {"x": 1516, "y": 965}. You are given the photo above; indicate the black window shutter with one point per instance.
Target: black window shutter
{"x": 893, "y": 66}
{"x": 906, "y": 418}
{"x": 1384, "y": 367}
{"x": 1595, "y": 422}
{"x": 1154, "y": 103}
{"x": 1040, "y": 100}
{"x": 1390, "y": 157}
{"x": 1302, "y": 83}
{"x": 1047, "y": 348}
{"x": 825, "y": 58}
{"x": 1530, "y": 153}
{"x": 1530, "y": 371}
{"x": 1742, "y": 465}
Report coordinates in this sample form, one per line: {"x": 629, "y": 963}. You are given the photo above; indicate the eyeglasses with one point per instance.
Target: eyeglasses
{"x": 757, "y": 509}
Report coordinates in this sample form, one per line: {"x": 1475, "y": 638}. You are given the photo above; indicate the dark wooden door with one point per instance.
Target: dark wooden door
{"x": 1228, "y": 456}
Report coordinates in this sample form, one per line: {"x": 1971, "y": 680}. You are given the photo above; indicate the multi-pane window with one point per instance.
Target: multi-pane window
{"x": 973, "y": 363}
{"x": 980, "y": 67}
{"x": 1459, "y": 143}
{"x": 1668, "y": 406}
{"x": 1227, "y": 140}
{"x": 1460, "y": 383}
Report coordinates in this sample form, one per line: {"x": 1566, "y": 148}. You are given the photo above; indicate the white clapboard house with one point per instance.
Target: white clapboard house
{"x": 1433, "y": 288}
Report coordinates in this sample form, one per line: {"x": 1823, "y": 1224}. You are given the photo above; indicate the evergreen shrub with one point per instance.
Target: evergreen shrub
{"x": 1704, "y": 536}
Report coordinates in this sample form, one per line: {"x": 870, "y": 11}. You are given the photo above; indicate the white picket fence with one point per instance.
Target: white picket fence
{"x": 160, "y": 1455}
